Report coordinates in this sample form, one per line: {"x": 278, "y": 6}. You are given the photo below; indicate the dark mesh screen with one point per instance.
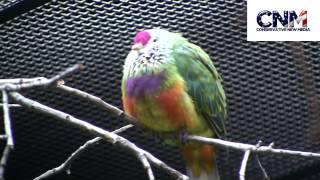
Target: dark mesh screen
{"x": 7, "y": 3}
{"x": 272, "y": 88}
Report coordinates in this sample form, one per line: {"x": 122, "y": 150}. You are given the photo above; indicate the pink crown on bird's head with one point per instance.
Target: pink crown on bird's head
{"x": 142, "y": 37}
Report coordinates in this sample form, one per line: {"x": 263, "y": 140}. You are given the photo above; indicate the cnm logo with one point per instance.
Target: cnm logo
{"x": 267, "y": 18}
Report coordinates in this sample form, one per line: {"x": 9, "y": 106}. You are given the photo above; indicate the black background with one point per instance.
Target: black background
{"x": 272, "y": 88}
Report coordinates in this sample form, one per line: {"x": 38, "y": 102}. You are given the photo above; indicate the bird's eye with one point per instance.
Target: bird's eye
{"x": 155, "y": 39}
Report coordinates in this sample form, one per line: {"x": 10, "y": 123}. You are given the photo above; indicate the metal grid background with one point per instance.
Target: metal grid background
{"x": 272, "y": 88}
{"x": 7, "y": 3}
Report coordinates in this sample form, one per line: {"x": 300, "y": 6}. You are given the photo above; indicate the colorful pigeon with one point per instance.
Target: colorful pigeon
{"x": 171, "y": 85}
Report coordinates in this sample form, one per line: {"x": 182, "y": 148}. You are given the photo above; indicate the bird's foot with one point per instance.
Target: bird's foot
{"x": 156, "y": 136}
{"x": 182, "y": 136}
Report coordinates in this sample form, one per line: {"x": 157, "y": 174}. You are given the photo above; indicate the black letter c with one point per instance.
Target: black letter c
{"x": 259, "y": 21}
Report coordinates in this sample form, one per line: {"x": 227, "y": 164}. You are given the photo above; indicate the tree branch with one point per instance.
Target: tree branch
{"x": 8, "y": 131}
{"x": 252, "y": 148}
{"x": 105, "y": 135}
{"x": 4, "y": 160}
{"x": 97, "y": 101}
{"x": 40, "y": 82}
{"x": 146, "y": 165}
{"x": 264, "y": 172}
{"x": 11, "y": 105}
{"x": 7, "y": 120}
{"x": 66, "y": 166}
{"x": 145, "y": 157}
{"x": 238, "y": 146}
{"x": 20, "y": 80}
{"x": 243, "y": 166}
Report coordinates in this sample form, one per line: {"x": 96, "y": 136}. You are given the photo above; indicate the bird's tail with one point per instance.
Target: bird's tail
{"x": 201, "y": 161}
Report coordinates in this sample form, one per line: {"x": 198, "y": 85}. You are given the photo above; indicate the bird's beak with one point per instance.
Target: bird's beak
{"x": 136, "y": 47}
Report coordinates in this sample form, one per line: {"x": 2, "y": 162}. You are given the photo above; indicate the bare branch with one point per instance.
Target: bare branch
{"x": 20, "y": 80}
{"x": 243, "y": 166}
{"x": 7, "y": 120}
{"x": 259, "y": 163}
{"x": 7, "y": 125}
{"x": 4, "y": 160}
{"x": 122, "y": 129}
{"x": 164, "y": 166}
{"x": 238, "y": 146}
{"x": 41, "y": 82}
{"x": 252, "y": 148}
{"x": 262, "y": 168}
{"x": 242, "y": 172}
{"x": 98, "y": 101}
{"x": 66, "y": 166}
{"x": 105, "y": 135}
{"x": 145, "y": 157}
{"x": 11, "y": 105}
{"x": 146, "y": 165}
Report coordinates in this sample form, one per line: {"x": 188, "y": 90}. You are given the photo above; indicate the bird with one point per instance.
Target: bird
{"x": 171, "y": 85}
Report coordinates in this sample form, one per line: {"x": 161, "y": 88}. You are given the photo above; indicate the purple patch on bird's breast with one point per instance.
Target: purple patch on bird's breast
{"x": 144, "y": 85}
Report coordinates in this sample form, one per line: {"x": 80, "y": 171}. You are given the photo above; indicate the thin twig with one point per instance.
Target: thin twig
{"x": 98, "y": 101}
{"x": 20, "y": 80}
{"x": 66, "y": 166}
{"x": 7, "y": 120}
{"x": 42, "y": 82}
{"x": 7, "y": 126}
{"x": 122, "y": 129}
{"x": 264, "y": 172}
{"x": 11, "y": 105}
{"x": 144, "y": 160}
{"x": 242, "y": 172}
{"x": 105, "y": 135}
{"x": 4, "y": 160}
{"x": 162, "y": 165}
{"x": 243, "y": 167}
{"x": 252, "y": 148}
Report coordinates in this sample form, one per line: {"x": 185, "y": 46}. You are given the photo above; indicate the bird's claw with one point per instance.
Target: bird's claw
{"x": 156, "y": 135}
{"x": 182, "y": 136}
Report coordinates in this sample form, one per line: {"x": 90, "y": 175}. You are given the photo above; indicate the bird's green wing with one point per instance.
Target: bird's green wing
{"x": 203, "y": 85}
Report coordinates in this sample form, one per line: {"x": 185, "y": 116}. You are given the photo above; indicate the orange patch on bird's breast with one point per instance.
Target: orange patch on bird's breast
{"x": 170, "y": 102}
{"x": 129, "y": 106}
